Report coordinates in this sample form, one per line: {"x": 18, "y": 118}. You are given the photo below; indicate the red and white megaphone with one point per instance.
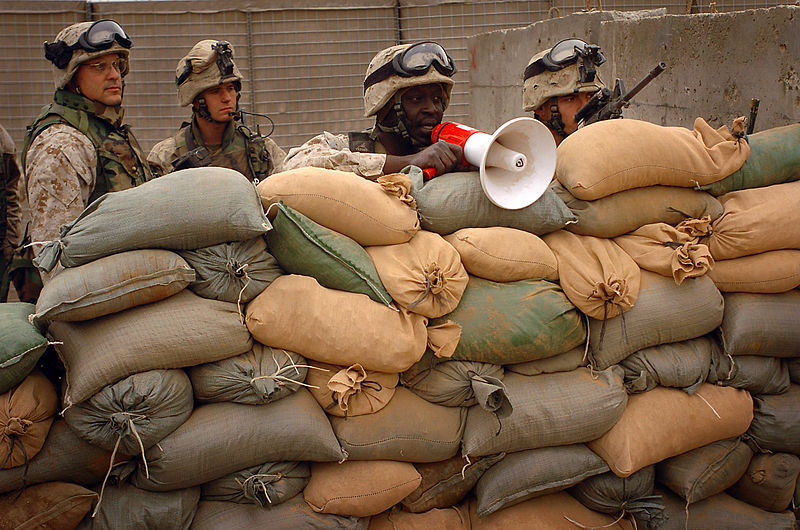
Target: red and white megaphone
{"x": 516, "y": 163}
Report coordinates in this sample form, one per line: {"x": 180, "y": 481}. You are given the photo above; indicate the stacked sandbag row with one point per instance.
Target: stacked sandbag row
{"x": 755, "y": 265}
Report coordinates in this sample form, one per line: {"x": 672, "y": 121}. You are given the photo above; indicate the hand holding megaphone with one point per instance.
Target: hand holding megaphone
{"x": 516, "y": 163}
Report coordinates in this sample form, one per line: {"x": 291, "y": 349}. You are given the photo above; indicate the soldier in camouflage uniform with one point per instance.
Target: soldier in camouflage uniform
{"x": 209, "y": 81}
{"x": 78, "y": 148}
{"x": 559, "y": 81}
{"x": 407, "y": 89}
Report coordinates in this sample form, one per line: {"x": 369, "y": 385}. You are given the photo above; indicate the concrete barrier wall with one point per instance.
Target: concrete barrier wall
{"x": 716, "y": 63}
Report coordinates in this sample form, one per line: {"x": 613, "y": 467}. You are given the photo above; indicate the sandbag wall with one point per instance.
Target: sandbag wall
{"x": 403, "y": 353}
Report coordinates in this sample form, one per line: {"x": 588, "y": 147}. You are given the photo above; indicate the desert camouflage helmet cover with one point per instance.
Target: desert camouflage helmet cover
{"x": 70, "y": 36}
{"x": 379, "y": 94}
{"x": 204, "y": 72}
{"x": 538, "y": 89}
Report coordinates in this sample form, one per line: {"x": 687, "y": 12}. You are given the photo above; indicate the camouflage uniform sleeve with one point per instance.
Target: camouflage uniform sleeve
{"x": 60, "y": 174}
{"x": 276, "y": 154}
{"x": 331, "y": 151}
{"x": 161, "y": 156}
{"x": 15, "y": 200}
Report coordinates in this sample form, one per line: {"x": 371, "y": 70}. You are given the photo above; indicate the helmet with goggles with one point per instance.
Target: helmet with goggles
{"x": 81, "y": 42}
{"x": 208, "y": 64}
{"x": 405, "y": 66}
{"x": 567, "y": 68}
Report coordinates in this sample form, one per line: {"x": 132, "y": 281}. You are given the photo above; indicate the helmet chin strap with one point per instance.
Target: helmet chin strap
{"x": 554, "y": 122}
{"x": 402, "y": 126}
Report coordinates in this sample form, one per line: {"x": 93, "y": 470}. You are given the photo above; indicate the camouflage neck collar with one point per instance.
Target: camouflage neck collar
{"x": 112, "y": 115}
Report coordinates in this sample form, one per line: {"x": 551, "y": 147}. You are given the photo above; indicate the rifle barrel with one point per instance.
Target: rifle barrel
{"x": 654, "y": 72}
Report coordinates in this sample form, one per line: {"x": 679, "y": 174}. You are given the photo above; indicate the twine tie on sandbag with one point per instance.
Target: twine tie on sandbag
{"x": 709, "y": 405}
{"x": 464, "y": 469}
{"x": 280, "y": 379}
{"x": 238, "y": 272}
{"x": 16, "y": 427}
{"x": 609, "y": 525}
{"x": 421, "y": 298}
{"x": 256, "y": 483}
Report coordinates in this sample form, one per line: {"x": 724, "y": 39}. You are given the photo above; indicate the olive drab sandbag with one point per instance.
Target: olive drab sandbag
{"x": 126, "y": 506}
{"x": 616, "y": 155}
{"x": 595, "y": 274}
{"x": 523, "y": 475}
{"x": 761, "y": 324}
{"x": 112, "y": 284}
{"x": 349, "y": 390}
{"x": 424, "y": 275}
{"x": 663, "y": 313}
{"x": 291, "y": 429}
{"x": 294, "y": 513}
{"x": 758, "y": 374}
{"x": 683, "y": 364}
{"x": 265, "y": 485}
{"x": 666, "y": 422}
{"x": 257, "y": 377}
{"x": 700, "y": 473}
{"x": 335, "y": 327}
{"x": 774, "y": 271}
{"x": 179, "y": 331}
{"x": 446, "y": 483}
{"x": 233, "y": 271}
{"x": 774, "y": 159}
{"x": 21, "y": 343}
{"x": 503, "y": 254}
{"x": 135, "y": 413}
{"x": 407, "y": 429}
{"x": 769, "y": 481}
{"x": 715, "y": 512}
{"x": 362, "y": 488}
{"x": 529, "y": 319}
{"x": 625, "y": 211}
{"x": 563, "y": 362}
{"x": 663, "y": 249}
{"x": 456, "y": 200}
{"x": 549, "y": 410}
{"x": 304, "y": 247}
{"x": 757, "y": 220}
{"x": 371, "y": 213}
{"x": 26, "y": 413}
{"x": 198, "y": 207}
{"x": 776, "y": 422}
{"x": 53, "y": 505}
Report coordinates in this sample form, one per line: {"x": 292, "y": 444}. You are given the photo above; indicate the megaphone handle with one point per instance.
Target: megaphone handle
{"x": 428, "y": 173}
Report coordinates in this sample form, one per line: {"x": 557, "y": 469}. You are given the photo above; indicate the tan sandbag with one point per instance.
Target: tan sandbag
{"x": 112, "y": 284}
{"x": 179, "y": 331}
{"x": 349, "y": 390}
{"x": 336, "y": 327}
{"x": 615, "y": 155}
{"x": 452, "y": 518}
{"x": 503, "y": 254}
{"x": 757, "y": 220}
{"x": 666, "y": 422}
{"x": 628, "y": 210}
{"x": 595, "y": 274}
{"x": 52, "y": 505}
{"x": 424, "y": 275}
{"x": 667, "y": 251}
{"x": 361, "y": 489}
{"x": 26, "y": 413}
{"x": 557, "y": 511}
{"x": 775, "y": 271}
{"x": 371, "y": 213}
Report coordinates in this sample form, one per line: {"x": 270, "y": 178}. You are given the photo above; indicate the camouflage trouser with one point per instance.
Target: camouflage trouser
{"x": 25, "y": 276}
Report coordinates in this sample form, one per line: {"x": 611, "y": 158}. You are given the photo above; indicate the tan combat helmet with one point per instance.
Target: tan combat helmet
{"x": 545, "y": 78}
{"x": 405, "y": 66}
{"x": 208, "y": 64}
{"x": 82, "y": 42}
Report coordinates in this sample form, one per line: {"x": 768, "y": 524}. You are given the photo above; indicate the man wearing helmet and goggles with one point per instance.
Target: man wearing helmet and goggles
{"x": 209, "y": 81}
{"x": 407, "y": 89}
{"x": 559, "y": 81}
{"x": 78, "y": 148}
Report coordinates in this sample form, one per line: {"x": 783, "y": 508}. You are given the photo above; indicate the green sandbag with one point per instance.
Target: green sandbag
{"x": 266, "y": 485}
{"x": 514, "y": 322}
{"x": 774, "y": 159}
{"x": 305, "y": 247}
{"x": 126, "y": 506}
{"x": 21, "y": 343}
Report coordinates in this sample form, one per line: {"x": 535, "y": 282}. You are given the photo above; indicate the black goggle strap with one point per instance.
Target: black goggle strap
{"x": 399, "y": 66}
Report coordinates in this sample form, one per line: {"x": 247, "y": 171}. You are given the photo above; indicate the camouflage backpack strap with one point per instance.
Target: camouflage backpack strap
{"x": 45, "y": 119}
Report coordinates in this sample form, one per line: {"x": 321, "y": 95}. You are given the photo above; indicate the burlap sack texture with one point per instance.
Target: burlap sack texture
{"x": 349, "y": 390}
{"x": 26, "y": 413}
{"x": 21, "y": 343}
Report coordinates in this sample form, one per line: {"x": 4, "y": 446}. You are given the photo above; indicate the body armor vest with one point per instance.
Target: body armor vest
{"x": 120, "y": 161}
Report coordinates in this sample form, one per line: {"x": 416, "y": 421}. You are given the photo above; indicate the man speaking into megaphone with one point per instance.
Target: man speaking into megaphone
{"x": 407, "y": 88}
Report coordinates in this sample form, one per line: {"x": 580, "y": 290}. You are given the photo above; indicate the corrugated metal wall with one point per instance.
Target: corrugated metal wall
{"x": 303, "y": 60}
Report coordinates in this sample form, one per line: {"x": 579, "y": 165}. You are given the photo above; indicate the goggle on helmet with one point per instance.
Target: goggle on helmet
{"x": 415, "y": 60}
{"x": 100, "y": 36}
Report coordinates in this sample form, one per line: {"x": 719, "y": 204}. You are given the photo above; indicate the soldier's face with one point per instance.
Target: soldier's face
{"x": 221, "y": 101}
{"x": 424, "y": 108}
{"x": 99, "y": 79}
